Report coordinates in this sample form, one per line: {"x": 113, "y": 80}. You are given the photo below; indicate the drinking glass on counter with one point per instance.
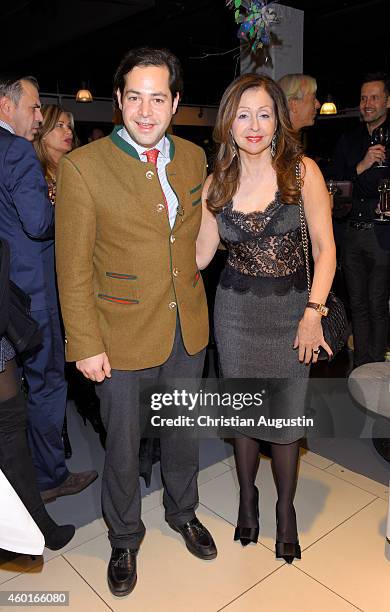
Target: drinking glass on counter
{"x": 383, "y": 208}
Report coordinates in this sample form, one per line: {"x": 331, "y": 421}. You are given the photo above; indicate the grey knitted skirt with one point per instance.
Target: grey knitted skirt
{"x": 254, "y": 337}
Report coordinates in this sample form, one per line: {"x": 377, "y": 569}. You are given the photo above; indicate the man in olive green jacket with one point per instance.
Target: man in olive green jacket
{"x": 127, "y": 217}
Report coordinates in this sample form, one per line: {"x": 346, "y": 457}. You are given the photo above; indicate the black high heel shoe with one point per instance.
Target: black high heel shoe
{"x": 286, "y": 550}
{"x": 246, "y": 535}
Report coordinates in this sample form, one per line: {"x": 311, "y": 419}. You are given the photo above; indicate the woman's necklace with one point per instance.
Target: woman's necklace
{"x": 52, "y": 187}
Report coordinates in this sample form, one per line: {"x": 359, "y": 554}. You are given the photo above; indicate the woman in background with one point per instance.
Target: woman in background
{"x": 56, "y": 137}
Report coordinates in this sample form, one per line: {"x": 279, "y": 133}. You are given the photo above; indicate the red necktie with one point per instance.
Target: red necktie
{"x": 152, "y": 156}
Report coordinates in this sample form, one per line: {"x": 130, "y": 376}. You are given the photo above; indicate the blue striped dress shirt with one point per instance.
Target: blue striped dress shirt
{"x": 163, "y": 159}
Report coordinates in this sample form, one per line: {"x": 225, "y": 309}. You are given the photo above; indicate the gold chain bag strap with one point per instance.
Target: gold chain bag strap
{"x": 335, "y": 325}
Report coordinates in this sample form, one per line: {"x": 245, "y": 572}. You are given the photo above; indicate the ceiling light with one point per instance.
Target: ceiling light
{"x": 84, "y": 95}
{"x": 328, "y": 107}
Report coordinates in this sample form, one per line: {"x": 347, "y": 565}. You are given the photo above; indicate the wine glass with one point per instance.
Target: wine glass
{"x": 380, "y": 136}
{"x": 332, "y": 190}
{"x": 384, "y": 200}
{"x": 332, "y": 186}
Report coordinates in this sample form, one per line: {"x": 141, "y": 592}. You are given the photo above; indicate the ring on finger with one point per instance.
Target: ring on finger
{"x": 317, "y": 352}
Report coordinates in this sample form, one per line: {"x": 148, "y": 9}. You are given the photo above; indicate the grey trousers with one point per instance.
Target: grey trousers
{"x": 121, "y": 494}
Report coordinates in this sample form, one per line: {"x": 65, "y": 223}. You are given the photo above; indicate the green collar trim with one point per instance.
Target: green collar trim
{"x": 122, "y": 144}
{"x": 127, "y": 148}
{"x": 171, "y": 147}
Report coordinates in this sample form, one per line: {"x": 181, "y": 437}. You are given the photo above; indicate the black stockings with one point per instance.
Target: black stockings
{"x": 284, "y": 465}
{"x": 247, "y": 456}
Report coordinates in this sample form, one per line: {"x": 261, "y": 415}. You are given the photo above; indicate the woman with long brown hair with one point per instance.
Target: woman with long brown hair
{"x": 55, "y": 138}
{"x": 261, "y": 310}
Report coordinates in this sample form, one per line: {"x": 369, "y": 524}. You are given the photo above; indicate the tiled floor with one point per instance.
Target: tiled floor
{"x": 344, "y": 566}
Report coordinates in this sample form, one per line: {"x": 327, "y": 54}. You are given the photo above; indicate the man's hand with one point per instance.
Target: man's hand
{"x": 95, "y": 368}
{"x": 376, "y": 153}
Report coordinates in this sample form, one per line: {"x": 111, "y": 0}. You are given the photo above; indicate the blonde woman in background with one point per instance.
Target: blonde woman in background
{"x": 56, "y": 137}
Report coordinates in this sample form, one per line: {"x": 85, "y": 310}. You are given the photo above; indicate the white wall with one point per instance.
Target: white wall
{"x": 286, "y": 53}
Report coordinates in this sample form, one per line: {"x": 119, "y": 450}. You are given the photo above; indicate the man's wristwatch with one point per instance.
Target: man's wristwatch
{"x": 321, "y": 308}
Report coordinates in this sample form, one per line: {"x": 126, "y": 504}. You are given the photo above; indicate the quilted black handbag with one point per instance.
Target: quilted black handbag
{"x": 335, "y": 324}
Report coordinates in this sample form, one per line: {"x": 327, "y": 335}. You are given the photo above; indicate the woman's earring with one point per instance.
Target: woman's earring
{"x": 233, "y": 145}
{"x": 273, "y": 145}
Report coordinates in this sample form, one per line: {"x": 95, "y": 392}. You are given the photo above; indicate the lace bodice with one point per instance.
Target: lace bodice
{"x": 265, "y": 248}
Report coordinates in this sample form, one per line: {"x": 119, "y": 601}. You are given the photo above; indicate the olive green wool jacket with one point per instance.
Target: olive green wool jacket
{"x": 123, "y": 275}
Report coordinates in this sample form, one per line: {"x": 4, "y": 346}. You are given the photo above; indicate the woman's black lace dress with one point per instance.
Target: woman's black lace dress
{"x": 260, "y": 299}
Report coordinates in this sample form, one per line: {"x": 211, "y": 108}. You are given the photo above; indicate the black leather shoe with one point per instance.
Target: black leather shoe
{"x": 197, "y": 538}
{"x": 122, "y": 571}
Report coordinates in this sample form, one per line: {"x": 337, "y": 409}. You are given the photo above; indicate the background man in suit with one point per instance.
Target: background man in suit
{"x": 127, "y": 217}
{"x": 26, "y": 222}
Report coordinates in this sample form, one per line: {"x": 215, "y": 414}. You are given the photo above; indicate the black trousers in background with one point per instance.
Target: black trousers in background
{"x": 366, "y": 268}
{"x": 121, "y": 494}
{"x": 15, "y": 458}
